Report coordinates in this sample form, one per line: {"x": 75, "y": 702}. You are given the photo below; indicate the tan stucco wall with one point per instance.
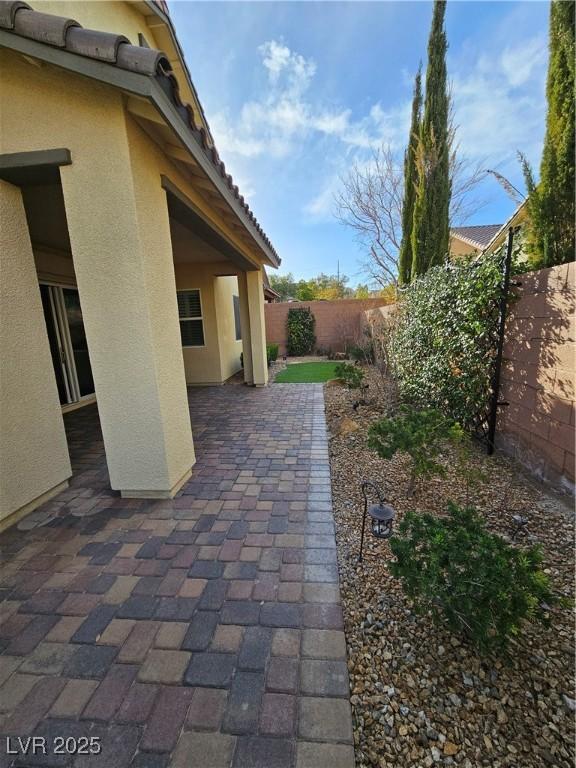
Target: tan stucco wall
{"x": 120, "y": 240}
{"x": 230, "y": 348}
{"x": 219, "y": 358}
{"x": 33, "y": 450}
{"x": 45, "y": 108}
{"x": 460, "y": 247}
{"x": 126, "y": 18}
{"x": 254, "y": 288}
{"x": 123, "y": 263}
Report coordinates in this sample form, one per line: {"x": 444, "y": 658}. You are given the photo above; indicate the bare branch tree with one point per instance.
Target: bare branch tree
{"x": 370, "y": 203}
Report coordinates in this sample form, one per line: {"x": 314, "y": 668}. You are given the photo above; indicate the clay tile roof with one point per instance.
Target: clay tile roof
{"x": 67, "y": 34}
{"x": 479, "y": 235}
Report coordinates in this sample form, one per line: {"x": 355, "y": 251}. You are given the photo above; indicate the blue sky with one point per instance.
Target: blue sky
{"x": 296, "y": 92}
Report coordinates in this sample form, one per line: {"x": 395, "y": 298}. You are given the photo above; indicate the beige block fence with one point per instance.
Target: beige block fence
{"x": 538, "y": 376}
{"x": 538, "y": 425}
{"x": 338, "y": 323}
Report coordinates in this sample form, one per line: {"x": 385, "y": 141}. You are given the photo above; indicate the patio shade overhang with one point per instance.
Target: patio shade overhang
{"x": 152, "y": 98}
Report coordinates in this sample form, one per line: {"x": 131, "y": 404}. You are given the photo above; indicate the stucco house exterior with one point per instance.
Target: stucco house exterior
{"x": 484, "y": 238}
{"x": 471, "y": 240}
{"x": 131, "y": 266}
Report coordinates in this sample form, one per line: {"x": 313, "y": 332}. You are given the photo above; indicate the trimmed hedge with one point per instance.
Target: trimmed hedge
{"x": 300, "y": 324}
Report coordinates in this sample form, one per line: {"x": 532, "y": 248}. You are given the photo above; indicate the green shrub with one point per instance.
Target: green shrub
{"x": 467, "y": 577}
{"x": 351, "y": 375}
{"x": 300, "y": 325}
{"x": 363, "y": 353}
{"x": 443, "y": 349}
{"x": 271, "y": 353}
{"x": 420, "y": 434}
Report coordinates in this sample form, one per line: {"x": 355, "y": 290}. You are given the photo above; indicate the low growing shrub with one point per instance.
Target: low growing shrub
{"x": 271, "y": 353}
{"x": 362, "y": 352}
{"x": 300, "y": 325}
{"x": 351, "y": 375}
{"x": 420, "y": 434}
{"x": 469, "y": 578}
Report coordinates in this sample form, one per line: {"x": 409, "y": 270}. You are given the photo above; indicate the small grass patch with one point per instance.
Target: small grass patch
{"x": 307, "y": 373}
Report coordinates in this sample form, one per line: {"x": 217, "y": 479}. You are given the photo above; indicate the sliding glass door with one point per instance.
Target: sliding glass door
{"x": 67, "y": 342}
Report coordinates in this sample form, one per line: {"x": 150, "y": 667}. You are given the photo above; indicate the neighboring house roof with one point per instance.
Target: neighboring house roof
{"x": 516, "y": 218}
{"x": 269, "y": 292}
{"x": 67, "y": 35}
{"x": 478, "y": 236}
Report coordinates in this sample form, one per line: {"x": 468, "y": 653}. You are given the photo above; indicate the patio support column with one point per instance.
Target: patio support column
{"x": 120, "y": 239}
{"x": 34, "y": 463}
{"x": 245, "y": 329}
{"x": 255, "y": 293}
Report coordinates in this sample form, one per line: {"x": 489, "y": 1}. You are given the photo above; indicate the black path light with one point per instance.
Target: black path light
{"x": 519, "y": 524}
{"x": 381, "y": 514}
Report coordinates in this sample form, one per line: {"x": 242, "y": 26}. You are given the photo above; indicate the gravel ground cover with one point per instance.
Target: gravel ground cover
{"x": 422, "y": 696}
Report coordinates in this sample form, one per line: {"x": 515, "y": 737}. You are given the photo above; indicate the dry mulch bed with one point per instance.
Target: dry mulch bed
{"x": 420, "y": 695}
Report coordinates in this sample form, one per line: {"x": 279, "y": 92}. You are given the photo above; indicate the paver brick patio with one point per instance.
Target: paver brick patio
{"x": 204, "y": 630}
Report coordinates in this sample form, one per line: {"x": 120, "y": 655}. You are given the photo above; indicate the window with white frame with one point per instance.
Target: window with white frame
{"x": 190, "y": 313}
{"x": 237, "y": 325}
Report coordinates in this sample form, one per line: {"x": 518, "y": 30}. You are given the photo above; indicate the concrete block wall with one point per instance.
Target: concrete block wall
{"x": 538, "y": 375}
{"x": 338, "y": 323}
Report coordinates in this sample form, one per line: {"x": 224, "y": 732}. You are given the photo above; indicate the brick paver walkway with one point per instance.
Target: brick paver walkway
{"x": 200, "y": 632}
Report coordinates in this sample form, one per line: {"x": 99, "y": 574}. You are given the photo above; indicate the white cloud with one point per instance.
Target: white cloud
{"x": 499, "y": 102}
{"x": 286, "y": 113}
{"x": 322, "y": 206}
{"x": 521, "y": 63}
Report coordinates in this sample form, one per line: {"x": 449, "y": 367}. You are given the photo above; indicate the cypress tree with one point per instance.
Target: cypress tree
{"x": 550, "y": 204}
{"x": 410, "y": 181}
{"x": 430, "y": 229}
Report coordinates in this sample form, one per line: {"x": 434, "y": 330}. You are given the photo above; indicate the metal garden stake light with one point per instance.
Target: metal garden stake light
{"x": 381, "y": 515}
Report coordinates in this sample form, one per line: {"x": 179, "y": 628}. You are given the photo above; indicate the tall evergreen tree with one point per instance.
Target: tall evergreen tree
{"x": 430, "y": 230}
{"x": 410, "y": 182}
{"x": 551, "y": 203}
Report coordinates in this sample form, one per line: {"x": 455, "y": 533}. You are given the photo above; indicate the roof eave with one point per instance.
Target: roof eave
{"x": 148, "y": 88}
{"x": 505, "y": 227}
{"x": 466, "y": 240}
{"x": 167, "y": 21}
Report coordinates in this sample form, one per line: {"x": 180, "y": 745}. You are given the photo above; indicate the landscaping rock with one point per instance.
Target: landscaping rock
{"x": 422, "y": 696}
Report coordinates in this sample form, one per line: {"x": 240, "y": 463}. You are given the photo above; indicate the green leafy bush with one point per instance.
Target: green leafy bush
{"x": 467, "y": 577}
{"x": 300, "y": 325}
{"x": 351, "y": 375}
{"x": 271, "y": 353}
{"x": 420, "y": 434}
{"x": 443, "y": 348}
{"x": 362, "y": 352}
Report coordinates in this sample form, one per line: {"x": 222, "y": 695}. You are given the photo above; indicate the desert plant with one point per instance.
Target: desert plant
{"x": 420, "y": 434}
{"x": 467, "y": 577}
{"x": 362, "y": 351}
{"x": 271, "y": 353}
{"x": 351, "y": 375}
{"x": 300, "y": 324}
